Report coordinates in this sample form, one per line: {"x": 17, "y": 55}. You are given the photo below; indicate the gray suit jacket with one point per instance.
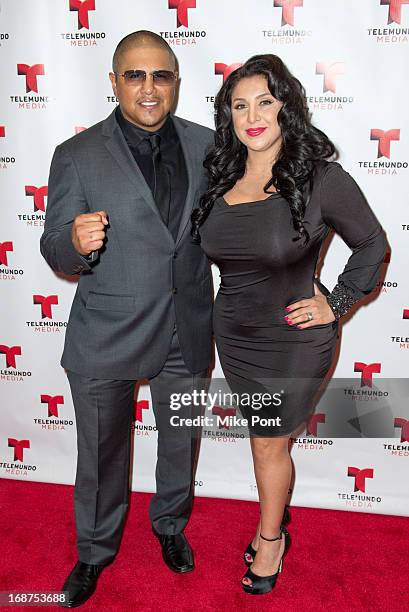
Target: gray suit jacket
{"x": 134, "y": 289}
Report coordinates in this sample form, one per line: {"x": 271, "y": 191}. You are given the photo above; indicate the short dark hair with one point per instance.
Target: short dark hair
{"x": 140, "y": 38}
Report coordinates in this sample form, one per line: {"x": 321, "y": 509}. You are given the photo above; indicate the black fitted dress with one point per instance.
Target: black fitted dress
{"x": 263, "y": 270}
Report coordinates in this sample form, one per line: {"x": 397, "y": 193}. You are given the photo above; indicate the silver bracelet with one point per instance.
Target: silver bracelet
{"x": 341, "y": 300}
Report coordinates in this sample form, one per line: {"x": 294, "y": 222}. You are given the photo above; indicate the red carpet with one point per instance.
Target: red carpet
{"x": 338, "y": 560}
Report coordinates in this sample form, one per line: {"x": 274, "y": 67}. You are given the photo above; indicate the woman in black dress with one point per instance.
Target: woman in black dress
{"x": 272, "y": 200}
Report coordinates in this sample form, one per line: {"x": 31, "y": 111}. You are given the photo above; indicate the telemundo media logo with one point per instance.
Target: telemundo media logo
{"x": 390, "y": 30}
{"x": 287, "y": 18}
{"x": 183, "y": 35}
{"x": 83, "y": 37}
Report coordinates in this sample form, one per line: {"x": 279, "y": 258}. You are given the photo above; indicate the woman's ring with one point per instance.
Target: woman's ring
{"x": 310, "y": 316}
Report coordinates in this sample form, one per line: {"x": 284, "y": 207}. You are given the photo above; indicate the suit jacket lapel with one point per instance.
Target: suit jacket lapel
{"x": 117, "y": 146}
{"x": 190, "y": 154}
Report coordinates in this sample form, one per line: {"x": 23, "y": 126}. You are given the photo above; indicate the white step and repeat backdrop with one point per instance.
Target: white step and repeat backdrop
{"x": 55, "y": 58}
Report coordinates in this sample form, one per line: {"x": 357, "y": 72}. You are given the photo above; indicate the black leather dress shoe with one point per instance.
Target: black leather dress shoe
{"x": 81, "y": 584}
{"x": 176, "y": 552}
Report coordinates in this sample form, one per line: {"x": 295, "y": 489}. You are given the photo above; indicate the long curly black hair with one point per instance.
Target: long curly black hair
{"x": 303, "y": 145}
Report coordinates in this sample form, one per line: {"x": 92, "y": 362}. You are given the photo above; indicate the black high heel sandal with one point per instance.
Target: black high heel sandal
{"x": 264, "y": 584}
{"x": 250, "y": 552}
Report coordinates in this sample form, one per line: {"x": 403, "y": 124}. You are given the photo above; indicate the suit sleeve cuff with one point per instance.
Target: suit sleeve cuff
{"x": 73, "y": 262}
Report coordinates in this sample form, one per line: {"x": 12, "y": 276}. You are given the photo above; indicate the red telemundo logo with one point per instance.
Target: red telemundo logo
{"x": 39, "y": 194}
{"x": 330, "y": 73}
{"x": 10, "y": 352}
{"x": 287, "y": 7}
{"x": 312, "y": 425}
{"x": 19, "y": 446}
{"x": 359, "y": 477}
{"x": 52, "y": 402}
{"x": 182, "y": 7}
{"x": 225, "y": 69}
{"x": 384, "y": 139}
{"x": 46, "y": 301}
{"x": 82, "y": 6}
{"x": 139, "y": 406}
{"x": 395, "y": 9}
{"x": 367, "y": 369}
{"x": 404, "y": 425}
{"x": 5, "y": 247}
{"x": 31, "y": 73}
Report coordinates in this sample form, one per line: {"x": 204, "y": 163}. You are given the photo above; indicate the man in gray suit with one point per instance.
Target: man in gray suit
{"x": 120, "y": 198}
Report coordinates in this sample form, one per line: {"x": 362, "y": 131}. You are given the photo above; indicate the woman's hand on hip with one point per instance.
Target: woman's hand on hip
{"x": 317, "y": 306}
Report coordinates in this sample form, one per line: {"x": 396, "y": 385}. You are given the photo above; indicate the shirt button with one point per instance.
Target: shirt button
{"x": 175, "y": 255}
{"x": 174, "y": 290}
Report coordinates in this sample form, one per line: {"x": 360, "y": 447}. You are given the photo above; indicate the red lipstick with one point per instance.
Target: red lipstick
{"x": 255, "y": 131}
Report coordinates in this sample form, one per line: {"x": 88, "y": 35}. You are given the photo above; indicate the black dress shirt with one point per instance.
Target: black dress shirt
{"x": 171, "y": 155}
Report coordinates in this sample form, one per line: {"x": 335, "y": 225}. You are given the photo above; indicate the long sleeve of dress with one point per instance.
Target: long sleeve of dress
{"x": 345, "y": 209}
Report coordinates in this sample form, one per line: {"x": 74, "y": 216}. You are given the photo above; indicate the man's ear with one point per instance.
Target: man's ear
{"x": 112, "y": 78}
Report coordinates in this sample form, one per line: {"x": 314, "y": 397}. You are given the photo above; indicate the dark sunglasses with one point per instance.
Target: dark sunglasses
{"x": 160, "y": 77}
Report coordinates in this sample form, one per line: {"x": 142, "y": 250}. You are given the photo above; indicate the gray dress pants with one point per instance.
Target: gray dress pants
{"x": 103, "y": 410}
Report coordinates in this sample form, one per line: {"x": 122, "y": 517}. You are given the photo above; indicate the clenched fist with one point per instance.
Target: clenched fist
{"x": 88, "y": 232}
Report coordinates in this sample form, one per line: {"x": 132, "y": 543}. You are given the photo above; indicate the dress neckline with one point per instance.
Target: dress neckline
{"x": 251, "y": 202}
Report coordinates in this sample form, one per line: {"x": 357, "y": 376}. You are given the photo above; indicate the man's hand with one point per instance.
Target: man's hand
{"x": 296, "y": 313}
{"x": 88, "y": 232}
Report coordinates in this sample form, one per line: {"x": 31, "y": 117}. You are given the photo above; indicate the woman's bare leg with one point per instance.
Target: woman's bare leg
{"x": 272, "y": 468}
